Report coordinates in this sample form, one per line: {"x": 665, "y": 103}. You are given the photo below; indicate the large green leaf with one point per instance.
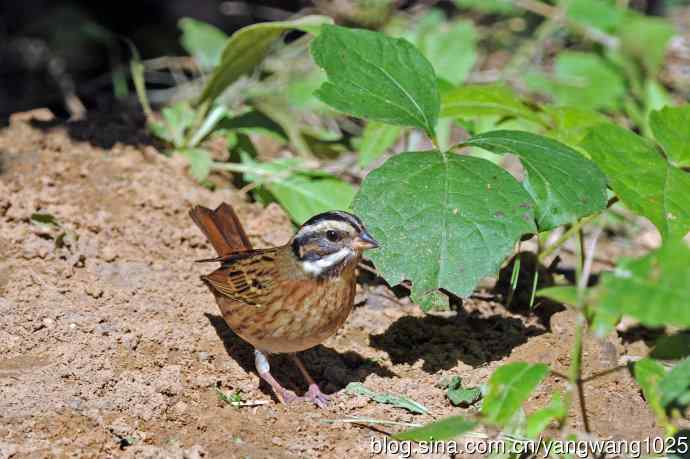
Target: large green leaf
{"x": 510, "y": 386}
{"x": 247, "y": 47}
{"x": 203, "y": 41}
{"x": 445, "y": 429}
{"x": 642, "y": 179}
{"x": 475, "y": 100}
{"x": 648, "y": 373}
{"x": 302, "y": 193}
{"x": 581, "y": 79}
{"x": 652, "y": 289}
{"x": 671, "y": 128}
{"x": 675, "y": 385}
{"x": 377, "y": 77}
{"x": 565, "y": 185}
{"x": 443, "y": 220}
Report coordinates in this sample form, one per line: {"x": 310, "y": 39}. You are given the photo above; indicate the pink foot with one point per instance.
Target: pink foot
{"x": 315, "y": 395}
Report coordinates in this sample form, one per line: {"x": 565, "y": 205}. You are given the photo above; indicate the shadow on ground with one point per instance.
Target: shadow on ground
{"x": 442, "y": 342}
{"x": 104, "y": 130}
{"x": 332, "y": 370}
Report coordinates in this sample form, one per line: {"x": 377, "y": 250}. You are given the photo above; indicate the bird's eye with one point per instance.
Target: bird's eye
{"x": 332, "y": 236}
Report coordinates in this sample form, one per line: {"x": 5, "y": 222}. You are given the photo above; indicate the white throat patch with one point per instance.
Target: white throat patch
{"x": 317, "y": 267}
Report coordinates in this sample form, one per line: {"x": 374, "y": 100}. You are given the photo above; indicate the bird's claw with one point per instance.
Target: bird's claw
{"x": 315, "y": 395}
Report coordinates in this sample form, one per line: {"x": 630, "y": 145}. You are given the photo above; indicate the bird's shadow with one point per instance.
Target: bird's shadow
{"x": 332, "y": 370}
{"x": 441, "y": 342}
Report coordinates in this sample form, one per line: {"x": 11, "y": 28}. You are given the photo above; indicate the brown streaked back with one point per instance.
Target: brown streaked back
{"x": 222, "y": 229}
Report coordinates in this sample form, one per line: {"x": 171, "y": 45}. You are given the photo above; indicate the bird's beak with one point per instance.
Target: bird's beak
{"x": 365, "y": 241}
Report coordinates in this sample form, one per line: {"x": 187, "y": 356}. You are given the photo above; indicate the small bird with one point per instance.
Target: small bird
{"x": 285, "y": 299}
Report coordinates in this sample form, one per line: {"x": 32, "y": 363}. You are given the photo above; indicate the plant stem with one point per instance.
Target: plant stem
{"x": 567, "y": 235}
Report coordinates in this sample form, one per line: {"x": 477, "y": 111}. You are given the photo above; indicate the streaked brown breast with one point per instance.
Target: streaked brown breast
{"x": 267, "y": 300}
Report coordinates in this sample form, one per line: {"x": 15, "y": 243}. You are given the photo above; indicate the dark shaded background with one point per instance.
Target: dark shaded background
{"x": 49, "y": 48}
{"x": 45, "y": 44}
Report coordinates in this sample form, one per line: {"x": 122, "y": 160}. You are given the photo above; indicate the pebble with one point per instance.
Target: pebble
{"x": 93, "y": 290}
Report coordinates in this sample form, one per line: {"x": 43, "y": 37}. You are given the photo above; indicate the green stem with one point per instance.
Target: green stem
{"x": 574, "y": 229}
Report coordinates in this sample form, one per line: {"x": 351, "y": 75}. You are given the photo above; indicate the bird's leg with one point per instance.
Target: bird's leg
{"x": 261, "y": 363}
{"x": 314, "y": 393}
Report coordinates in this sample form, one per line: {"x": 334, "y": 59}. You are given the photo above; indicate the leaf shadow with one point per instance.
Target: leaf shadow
{"x": 331, "y": 369}
{"x": 442, "y": 342}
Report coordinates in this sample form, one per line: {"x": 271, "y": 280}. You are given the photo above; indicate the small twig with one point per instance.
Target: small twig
{"x": 574, "y": 229}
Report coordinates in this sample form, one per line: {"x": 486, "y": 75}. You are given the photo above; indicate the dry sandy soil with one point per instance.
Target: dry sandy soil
{"x": 108, "y": 337}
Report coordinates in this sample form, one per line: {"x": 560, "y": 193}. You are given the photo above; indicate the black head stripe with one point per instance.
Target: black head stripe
{"x": 355, "y": 222}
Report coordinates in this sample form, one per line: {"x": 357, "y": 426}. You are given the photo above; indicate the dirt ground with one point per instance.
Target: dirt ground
{"x": 110, "y": 345}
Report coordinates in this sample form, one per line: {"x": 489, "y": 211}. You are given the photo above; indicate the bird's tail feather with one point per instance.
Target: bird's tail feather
{"x": 222, "y": 229}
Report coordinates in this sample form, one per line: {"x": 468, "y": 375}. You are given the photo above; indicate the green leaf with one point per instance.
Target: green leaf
{"x": 375, "y": 140}
{"x": 561, "y": 195}
{"x": 556, "y": 410}
{"x": 254, "y": 122}
{"x": 646, "y": 38}
{"x": 358, "y": 388}
{"x": 600, "y": 14}
{"x": 489, "y": 6}
{"x": 652, "y": 289}
{"x": 571, "y": 124}
{"x": 648, "y": 373}
{"x": 566, "y": 294}
{"x": 671, "y": 128}
{"x": 462, "y": 396}
{"x": 44, "y": 220}
{"x": 451, "y": 49}
{"x": 247, "y": 47}
{"x": 675, "y": 385}
{"x": 303, "y": 194}
{"x": 445, "y": 429}
{"x": 581, "y": 79}
{"x": 203, "y": 41}
{"x": 475, "y": 100}
{"x": 510, "y": 386}
{"x": 641, "y": 178}
{"x": 377, "y": 77}
{"x": 200, "y": 162}
{"x": 672, "y": 347}
{"x": 177, "y": 119}
{"x": 443, "y": 220}
{"x": 279, "y": 111}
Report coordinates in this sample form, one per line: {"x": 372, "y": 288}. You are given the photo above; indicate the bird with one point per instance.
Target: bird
{"x": 285, "y": 299}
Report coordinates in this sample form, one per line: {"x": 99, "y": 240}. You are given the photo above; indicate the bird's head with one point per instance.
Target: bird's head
{"x": 328, "y": 242}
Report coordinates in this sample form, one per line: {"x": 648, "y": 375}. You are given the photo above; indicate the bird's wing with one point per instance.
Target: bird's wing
{"x": 248, "y": 276}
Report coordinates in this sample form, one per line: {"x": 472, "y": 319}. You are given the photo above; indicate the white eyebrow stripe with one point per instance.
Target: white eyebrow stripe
{"x": 320, "y": 265}
{"x": 328, "y": 224}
